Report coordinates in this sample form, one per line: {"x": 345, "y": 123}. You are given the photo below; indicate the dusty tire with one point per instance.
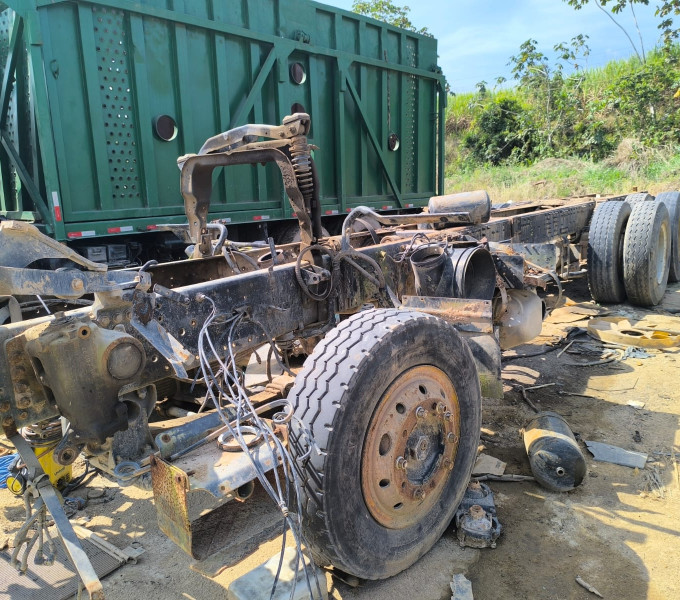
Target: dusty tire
{"x": 638, "y": 197}
{"x": 646, "y": 253}
{"x": 340, "y": 396}
{"x": 605, "y": 251}
{"x": 672, "y": 202}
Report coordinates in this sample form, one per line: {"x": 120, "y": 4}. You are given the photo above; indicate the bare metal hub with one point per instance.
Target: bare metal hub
{"x": 410, "y": 447}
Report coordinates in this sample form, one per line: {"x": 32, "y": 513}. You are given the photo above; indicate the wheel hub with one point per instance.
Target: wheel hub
{"x": 410, "y": 447}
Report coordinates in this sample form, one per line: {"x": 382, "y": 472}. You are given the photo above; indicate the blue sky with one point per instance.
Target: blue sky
{"x": 477, "y": 37}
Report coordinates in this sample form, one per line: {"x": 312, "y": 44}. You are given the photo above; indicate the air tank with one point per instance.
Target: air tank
{"x": 554, "y": 455}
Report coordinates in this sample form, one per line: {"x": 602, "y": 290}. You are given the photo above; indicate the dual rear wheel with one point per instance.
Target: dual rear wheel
{"x": 634, "y": 248}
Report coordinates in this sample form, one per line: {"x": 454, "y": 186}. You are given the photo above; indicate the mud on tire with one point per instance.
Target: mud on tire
{"x": 337, "y": 396}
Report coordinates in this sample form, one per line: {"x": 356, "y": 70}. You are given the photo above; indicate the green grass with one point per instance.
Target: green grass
{"x": 558, "y": 178}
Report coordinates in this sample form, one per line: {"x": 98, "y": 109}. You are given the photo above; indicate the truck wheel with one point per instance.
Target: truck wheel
{"x": 605, "y": 251}
{"x": 646, "y": 253}
{"x": 392, "y": 401}
{"x": 639, "y": 197}
{"x": 672, "y": 202}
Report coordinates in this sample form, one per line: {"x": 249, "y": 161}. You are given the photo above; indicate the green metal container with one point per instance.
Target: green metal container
{"x": 100, "y": 97}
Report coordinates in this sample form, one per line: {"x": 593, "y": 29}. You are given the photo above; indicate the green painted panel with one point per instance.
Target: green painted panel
{"x": 110, "y": 67}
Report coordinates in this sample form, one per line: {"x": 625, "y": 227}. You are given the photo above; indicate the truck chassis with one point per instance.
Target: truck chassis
{"x": 367, "y": 439}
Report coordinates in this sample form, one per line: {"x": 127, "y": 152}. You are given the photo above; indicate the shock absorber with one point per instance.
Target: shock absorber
{"x": 301, "y": 159}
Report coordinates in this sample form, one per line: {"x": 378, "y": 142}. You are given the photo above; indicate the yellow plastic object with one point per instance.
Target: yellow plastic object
{"x": 650, "y": 332}
{"x": 16, "y": 484}
{"x": 59, "y": 475}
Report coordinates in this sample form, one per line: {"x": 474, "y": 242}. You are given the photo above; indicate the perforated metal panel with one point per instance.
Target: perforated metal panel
{"x": 117, "y": 103}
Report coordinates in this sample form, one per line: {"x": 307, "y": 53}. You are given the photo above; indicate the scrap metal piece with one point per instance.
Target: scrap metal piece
{"x": 51, "y": 498}
{"x": 22, "y": 243}
{"x": 477, "y": 528}
{"x": 554, "y": 455}
{"x": 476, "y": 522}
{"x": 220, "y": 473}
{"x": 615, "y": 455}
{"x": 587, "y": 586}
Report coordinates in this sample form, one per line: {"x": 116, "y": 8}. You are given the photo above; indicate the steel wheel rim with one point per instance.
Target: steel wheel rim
{"x": 410, "y": 447}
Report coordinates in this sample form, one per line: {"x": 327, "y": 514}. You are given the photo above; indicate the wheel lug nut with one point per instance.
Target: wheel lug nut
{"x": 441, "y": 409}
{"x": 448, "y": 415}
{"x": 420, "y": 412}
{"x": 448, "y": 464}
{"x": 401, "y": 463}
{"x": 452, "y": 438}
{"x": 418, "y": 494}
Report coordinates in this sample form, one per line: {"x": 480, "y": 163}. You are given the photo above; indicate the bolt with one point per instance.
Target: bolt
{"x": 441, "y": 408}
{"x": 77, "y": 284}
{"x": 118, "y": 317}
{"x": 401, "y": 463}
{"x": 421, "y": 412}
{"x": 21, "y": 386}
{"x": 448, "y": 464}
{"x": 105, "y": 320}
{"x": 18, "y": 371}
{"x": 4, "y": 407}
{"x": 8, "y": 422}
{"x": 452, "y": 438}
{"x": 23, "y": 415}
{"x": 448, "y": 415}
{"x": 23, "y": 401}
{"x": 418, "y": 494}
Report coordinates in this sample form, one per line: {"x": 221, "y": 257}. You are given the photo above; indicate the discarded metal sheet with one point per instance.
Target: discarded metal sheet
{"x": 488, "y": 465}
{"x": 618, "y": 456}
{"x": 576, "y": 312}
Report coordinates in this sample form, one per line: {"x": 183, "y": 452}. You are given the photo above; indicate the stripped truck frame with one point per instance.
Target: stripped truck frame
{"x": 400, "y": 326}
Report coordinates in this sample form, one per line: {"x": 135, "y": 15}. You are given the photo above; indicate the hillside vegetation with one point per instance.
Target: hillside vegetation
{"x": 606, "y": 130}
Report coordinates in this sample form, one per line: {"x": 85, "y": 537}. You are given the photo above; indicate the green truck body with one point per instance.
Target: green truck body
{"x": 100, "y": 97}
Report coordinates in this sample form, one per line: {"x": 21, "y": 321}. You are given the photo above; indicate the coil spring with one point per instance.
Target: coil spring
{"x": 302, "y": 165}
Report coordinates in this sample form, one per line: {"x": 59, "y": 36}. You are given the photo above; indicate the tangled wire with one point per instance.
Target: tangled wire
{"x": 227, "y": 393}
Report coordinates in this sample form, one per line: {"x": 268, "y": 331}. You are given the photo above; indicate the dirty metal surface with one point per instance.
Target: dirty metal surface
{"x": 465, "y": 314}
{"x": 210, "y": 469}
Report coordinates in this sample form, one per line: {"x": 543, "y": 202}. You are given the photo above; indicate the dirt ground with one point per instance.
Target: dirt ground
{"x": 617, "y": 531}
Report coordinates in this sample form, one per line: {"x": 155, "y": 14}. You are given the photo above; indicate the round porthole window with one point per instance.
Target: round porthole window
{"x": 165, "y": 127}
{"x": 298, "y": 73}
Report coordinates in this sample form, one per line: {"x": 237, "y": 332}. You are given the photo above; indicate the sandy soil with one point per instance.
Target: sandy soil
{"x": 613, "y": 530}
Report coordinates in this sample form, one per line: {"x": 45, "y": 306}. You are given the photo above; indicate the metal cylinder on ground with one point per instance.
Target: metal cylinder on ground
{"x": 554, "y": 455}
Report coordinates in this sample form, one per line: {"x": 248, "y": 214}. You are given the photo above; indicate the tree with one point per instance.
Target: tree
{"x": 665, "y": 11}
{"x": 386, "y": 11}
